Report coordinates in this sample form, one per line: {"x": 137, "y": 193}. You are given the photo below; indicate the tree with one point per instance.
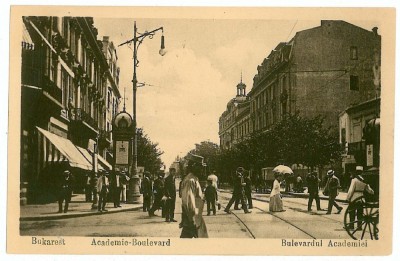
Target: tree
{"x": 148, "y": 153}
{"x": 294, "y": 140}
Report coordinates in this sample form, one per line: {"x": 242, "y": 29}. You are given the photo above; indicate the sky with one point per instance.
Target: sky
{"x": 188, "y": 88}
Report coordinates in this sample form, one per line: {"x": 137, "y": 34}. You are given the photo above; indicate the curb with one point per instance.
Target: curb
{"x": 73, "y": 215}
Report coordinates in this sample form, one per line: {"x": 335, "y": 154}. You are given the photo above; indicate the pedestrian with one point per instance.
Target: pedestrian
{"x": 170, "y": 194}
{"x": 192, "y": 224}
{"x": 247, "y": 189}
{"x": 103, "y": 190}
{"x": 357, "y": 189}
{"x": 88, "y": 189}
{"x": 275, "y": 199}
{"x": 215, "y": 182}
{"x": 65, "y": 192}
{"x": 299, "y": 184}
{"x": 210, "y": 197}
{"x": 124, "y": 181}
{"x": 158, "y": 192}
{"x": 117, "y": 188}
{"x": 238, "y": 191}
{"x": 146, "y": 189}
{"x": 332, "y": 191}
{"x": 313, "y": 190}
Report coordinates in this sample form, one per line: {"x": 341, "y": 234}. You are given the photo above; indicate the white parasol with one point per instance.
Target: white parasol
{"x": 283, "y": 169}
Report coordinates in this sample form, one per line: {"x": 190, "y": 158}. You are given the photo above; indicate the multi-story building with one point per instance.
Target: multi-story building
{"x": 65, "y": 80}
{"x": 234, "y": 123}
{"x": 320, "y": 71}
{"x": 113, "y": 94}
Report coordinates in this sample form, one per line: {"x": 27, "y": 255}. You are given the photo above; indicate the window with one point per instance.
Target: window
{"x": 353, "y": 53}
{"x": 354, "y": 83}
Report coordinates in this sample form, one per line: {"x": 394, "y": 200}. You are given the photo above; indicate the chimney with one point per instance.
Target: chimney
{"x": 106, "y": 38}
{"x": 375, "y": 30}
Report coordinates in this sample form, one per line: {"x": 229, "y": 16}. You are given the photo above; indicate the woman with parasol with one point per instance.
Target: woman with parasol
{"x": 275, "y": 200}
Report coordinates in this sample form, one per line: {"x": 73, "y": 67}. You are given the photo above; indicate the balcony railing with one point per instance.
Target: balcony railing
{"x": 77, "y": 114}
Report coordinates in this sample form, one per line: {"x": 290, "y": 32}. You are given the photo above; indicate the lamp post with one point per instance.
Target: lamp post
{"x": 133, "y": 192}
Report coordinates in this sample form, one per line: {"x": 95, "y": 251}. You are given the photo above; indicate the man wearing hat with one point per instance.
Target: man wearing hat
{"x": 192, "y": 224}
{"x": 238, "y": 191}
{"x": 65, "y": 191}
{"x": 331, "y": 187}
{"x": 146, "y": 189}
{"x": 117, "y": 188}
{"x": 313, "y": 190}
{"x": 103, "y": 189}
{"x": 356, "y": 190}
{"x": 170, "y": 194}
{"x": 158, "y": 191}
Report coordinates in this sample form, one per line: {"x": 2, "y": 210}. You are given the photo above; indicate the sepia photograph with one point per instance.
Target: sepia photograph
{"x": 134, "y": 129}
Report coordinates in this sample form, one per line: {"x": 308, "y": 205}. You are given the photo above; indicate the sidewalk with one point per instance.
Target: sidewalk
{"x": 78, "y": 207}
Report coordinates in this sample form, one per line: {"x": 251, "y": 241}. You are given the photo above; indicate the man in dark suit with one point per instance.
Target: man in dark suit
{"x": 117, "y": 187}
{"x": 332, "y": 186}
{"x": 313, "y": 190}
{"x": 146, "y": 189}
{"x": 158, "y": 191}
{"x": 238, "y": 191}
{"x": 170, "y": 194}
{"x": 65, "y": 192}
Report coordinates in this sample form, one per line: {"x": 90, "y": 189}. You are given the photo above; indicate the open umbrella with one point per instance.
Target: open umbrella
{"x": 283, "y": 169}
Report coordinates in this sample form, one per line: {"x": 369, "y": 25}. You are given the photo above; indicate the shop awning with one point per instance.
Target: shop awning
{"x": 103, "y": 164}
{"x": 58, "y": 149}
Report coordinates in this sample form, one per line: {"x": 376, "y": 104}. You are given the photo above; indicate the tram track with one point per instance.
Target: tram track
{"x": 279, "y": 217}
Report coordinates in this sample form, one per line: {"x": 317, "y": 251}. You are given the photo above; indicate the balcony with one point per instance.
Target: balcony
{"x": 77, "y": 114}
{"x": 33, "y": 76}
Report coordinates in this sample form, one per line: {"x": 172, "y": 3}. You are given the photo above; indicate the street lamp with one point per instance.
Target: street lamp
{"x": 133, "y": 193}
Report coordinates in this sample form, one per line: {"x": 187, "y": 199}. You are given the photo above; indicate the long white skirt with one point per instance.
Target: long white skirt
{"x": 275, "y": 203}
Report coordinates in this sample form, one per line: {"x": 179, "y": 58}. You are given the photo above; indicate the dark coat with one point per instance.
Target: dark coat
{"x": 237, "y": 184}
{"x": 210, "y": 193}
{"x": 146, "y": 187}
{"x": 333, "y": 185}
{"x": 312, "y": 183}
{"x": 169, "y": 187}
{"x": 158, "y": 187}
{"x": 247, "y": 187}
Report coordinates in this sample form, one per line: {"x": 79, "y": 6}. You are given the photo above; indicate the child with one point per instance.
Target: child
{"x": 211, "y": 196}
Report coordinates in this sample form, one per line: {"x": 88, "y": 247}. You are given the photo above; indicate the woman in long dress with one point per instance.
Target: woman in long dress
{"x": 275, "y": 200}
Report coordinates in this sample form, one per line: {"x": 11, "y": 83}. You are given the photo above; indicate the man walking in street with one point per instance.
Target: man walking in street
{"x": 103, "y": 190}
{"x": 158, "y": 191}
{"x": 65, "y": 192}
{"x": 313, "y": 190}
{"x": 238, "y": 191}
{"x": 356, "y": 190}
{"x": 146, "y": 189}
{"x": 192, "y": 224}
{"x": 332, "y": 190}
{"x": 117, "y": 188}
{"x": 170, "y": 194}
{"x": 247, "y": 189}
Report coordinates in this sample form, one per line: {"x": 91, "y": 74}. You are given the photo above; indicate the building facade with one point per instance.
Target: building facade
{"x": 234, "y": 123}
{"x": 65, "y": 78}
{"x": 320, "y": 71}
